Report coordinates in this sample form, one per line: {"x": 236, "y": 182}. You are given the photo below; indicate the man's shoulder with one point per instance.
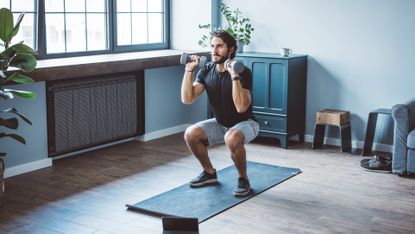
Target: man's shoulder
{"x": 207, "y": 69}
{"x": 204, "y": 72}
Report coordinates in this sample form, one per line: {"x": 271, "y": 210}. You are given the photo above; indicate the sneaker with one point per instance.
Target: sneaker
{"x": 203, "y": 179}
{"x": 243, "y": 187}
{"x": 377, "y": 163}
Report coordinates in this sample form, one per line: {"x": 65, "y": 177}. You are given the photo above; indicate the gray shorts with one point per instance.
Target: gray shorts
{"x": 216, "y": 132}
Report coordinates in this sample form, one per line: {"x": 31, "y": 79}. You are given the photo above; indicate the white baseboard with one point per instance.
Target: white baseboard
{"x": 27, "y": 167}
{"x": 162, "y": 133}
{"x": 355, "y": 144}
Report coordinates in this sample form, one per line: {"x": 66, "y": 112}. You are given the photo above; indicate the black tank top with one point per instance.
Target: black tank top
{"x": 218, "y": 86}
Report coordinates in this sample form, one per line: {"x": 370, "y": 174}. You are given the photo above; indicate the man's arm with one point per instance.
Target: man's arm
{"x": 241, "y": 97}
{"x": 191, "y": 91}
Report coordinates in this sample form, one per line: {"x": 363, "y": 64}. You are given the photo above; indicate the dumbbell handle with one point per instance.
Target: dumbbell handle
{"x": 237, "y": 66}
{"x": 185, "y": 58}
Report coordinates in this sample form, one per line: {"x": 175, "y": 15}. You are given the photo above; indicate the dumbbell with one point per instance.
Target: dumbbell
{"x": 185, "y": 58}
{"x": 237, "y": 66}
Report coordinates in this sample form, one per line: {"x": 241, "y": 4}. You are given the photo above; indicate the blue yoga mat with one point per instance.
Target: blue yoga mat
{"x": 205, "y": 202}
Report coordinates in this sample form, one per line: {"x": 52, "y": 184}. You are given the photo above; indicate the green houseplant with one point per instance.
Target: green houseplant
{"x": 238, "y": 26}
{"x": 21, "y": 58}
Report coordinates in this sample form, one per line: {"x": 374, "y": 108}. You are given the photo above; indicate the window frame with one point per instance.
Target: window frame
{"x": 142, "y": 47}
{"x": 111, "y": 34}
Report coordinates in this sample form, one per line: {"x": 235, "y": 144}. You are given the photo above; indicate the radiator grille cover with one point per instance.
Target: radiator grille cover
{"x": 92, "y": 111}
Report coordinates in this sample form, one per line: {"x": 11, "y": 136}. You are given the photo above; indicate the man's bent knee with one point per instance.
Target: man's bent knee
{"x": 234, "y": 139}
{"x": 194, "y": 134}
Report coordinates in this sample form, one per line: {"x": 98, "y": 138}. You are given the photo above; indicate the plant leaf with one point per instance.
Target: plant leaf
{"x": 14, "y": 136}
{"x": 11, "y": 123}
{"x": 236, "y": 25}
{"x": 8, "y": 53}
{"x": 205, "y": 26}
{"x": 17, "y": 48}
{"x": 24, "y": 61}
{"x": 6, "y": 26}
{"x": 14, "y": 111}
{"x": 21, "y": 93}
{"x": 18, "y": 78}
{"x": 17, "y": 26}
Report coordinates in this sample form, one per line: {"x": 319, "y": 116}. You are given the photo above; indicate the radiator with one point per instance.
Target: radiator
{"x": 94, "y": 110}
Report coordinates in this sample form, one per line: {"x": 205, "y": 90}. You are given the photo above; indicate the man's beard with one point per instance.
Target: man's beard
{"x": 221, "y": 60}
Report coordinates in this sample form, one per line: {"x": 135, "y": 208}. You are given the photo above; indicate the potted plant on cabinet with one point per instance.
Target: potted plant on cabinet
{"x": 22, "y": 59}
{"x": 238, "y": 26}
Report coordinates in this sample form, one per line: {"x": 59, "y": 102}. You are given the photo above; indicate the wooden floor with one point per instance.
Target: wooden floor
{"x": 88, "y": 193}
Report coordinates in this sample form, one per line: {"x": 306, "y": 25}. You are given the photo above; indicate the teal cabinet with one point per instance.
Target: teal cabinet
{"x": 278, "y": 93}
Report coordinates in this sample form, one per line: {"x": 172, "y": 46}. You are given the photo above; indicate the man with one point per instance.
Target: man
{"x": 229, "y": 96}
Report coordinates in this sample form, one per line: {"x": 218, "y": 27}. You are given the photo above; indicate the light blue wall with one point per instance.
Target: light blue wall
{"x": 186, "y": 15}
{"x": 35, "y": 134}
{"x": 163, "y": 105}
{"x": 362, "y": 52}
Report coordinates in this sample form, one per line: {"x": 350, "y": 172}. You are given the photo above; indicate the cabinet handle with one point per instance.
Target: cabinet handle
{"x": 266, "y": 122}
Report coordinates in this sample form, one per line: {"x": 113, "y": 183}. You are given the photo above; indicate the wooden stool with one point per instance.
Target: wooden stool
{"x": 337, "y": 118}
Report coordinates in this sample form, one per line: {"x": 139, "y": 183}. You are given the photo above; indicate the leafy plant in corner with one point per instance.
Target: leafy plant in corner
{"x": 22, "y": 58}
{"x": 238, "y": 26}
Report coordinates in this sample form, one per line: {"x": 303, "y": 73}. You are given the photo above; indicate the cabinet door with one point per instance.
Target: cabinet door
{"x": 269, "y": 91}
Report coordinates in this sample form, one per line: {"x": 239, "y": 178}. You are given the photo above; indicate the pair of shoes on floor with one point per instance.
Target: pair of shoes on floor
{"x": 242, "y": 189}
{"x": 377, "y": 163}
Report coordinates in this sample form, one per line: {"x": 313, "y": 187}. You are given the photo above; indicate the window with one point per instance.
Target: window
{"x": 62, "y": 28}
{"x": 27, "y": 31}
{"x": 140, "y": 22}
{"x": 76, "y": 25}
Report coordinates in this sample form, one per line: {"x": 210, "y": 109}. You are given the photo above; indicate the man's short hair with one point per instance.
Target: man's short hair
{"x": 227, "y": 38}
